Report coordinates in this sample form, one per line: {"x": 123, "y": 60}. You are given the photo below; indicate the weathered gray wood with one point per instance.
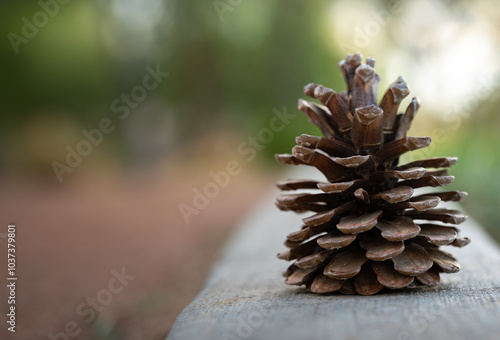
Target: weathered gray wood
{"x": 245, "y": 297}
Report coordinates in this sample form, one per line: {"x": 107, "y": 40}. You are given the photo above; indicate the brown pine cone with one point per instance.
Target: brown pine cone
{"x": 364, "y": 235}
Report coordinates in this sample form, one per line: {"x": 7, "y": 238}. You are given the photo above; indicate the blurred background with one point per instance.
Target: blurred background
{"x": 116, "y": 115}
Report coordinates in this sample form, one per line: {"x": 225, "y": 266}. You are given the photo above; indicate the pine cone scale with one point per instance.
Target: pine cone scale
{"x": 400, "y": 229}
{"x": 336, "y": 240}
{"x": 414, "y": 260}
{"x": 345, "y": 264}
{"x": 389, "y": 277}
{"x": 366, "y": 282}
{"x": 324, "y": 284}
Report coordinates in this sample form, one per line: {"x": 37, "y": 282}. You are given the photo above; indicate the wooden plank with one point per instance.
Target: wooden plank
{"x": 245, "y": 297}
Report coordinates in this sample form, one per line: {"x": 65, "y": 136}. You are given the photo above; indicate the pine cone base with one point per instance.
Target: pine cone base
{"x": 366, "y": 233}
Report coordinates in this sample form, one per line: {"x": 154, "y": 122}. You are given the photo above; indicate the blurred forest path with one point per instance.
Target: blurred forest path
{"x": 71, "y": 237}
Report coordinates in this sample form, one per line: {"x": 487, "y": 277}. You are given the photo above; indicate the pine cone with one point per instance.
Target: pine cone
{"x": 363, "y": 236}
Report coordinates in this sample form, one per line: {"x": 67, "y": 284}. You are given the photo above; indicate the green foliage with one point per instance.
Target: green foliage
{"x": 228, "y": 71}
{"x": 476, "y": 144}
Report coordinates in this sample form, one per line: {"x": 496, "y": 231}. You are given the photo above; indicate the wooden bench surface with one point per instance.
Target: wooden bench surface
{"x": 245, "y": 297}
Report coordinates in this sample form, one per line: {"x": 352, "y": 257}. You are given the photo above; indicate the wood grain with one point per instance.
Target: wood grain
{"x": 245, "y": 297}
